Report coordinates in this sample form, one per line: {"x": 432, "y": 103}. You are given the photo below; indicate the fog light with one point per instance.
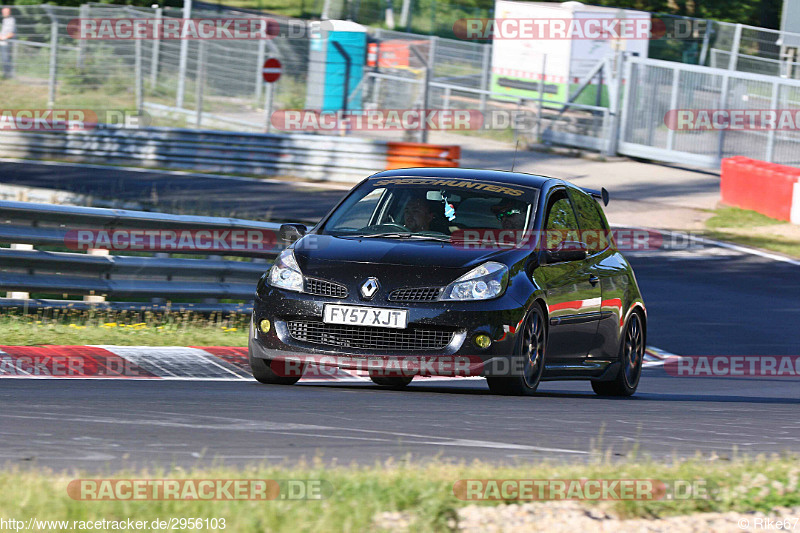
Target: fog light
{"x": 264, "y": 326}
{"x": 482, "y": 341}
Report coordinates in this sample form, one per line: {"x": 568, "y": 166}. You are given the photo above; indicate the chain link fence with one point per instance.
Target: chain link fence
{"x": 654, "y": 89}
{"x": 220, "y": 86}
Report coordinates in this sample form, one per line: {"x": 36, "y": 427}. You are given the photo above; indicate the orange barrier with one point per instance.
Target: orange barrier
{"x": 395, "y": 53}
{"x": 769, "y": 188}
{"x": 410, "y": 155}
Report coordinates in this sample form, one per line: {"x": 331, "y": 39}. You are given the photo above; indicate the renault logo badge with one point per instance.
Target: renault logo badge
{"x": 369, "y": 288}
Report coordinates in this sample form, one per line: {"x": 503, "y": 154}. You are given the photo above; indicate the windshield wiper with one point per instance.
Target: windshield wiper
{"x": 418, "y": 236}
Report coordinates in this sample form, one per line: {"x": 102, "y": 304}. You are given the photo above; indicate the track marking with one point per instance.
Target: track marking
{"x": 319, "y": 432}
{"x": 721, "y": 244}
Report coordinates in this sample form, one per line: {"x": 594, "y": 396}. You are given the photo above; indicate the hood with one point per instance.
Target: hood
{"x": 321, "y": 250}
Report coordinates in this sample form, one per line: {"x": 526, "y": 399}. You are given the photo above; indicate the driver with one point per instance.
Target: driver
{"x": 510, "y": 213}
{"x": 417, "y": 215}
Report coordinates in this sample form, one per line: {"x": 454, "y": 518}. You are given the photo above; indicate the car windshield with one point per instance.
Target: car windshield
{"x": 431, "y": 208}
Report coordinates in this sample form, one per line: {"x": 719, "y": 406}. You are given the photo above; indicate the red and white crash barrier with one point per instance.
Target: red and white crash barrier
{"x": 193, "y": 363}
{"x": 768, "y": 188}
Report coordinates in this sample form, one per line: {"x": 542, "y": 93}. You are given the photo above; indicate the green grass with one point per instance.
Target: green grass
{"x": 733, "y": 217}
{"x": 746, "y": 227}
{"x": 775, "y": 244}
{"x": 424, "y": 492}
{"x": 73, "y": 327}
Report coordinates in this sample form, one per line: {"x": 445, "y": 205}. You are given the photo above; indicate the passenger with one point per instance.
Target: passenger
{"x": 511, "y": 214}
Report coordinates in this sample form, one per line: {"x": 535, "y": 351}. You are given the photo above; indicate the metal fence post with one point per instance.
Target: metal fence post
{"x": 722, "y": 105}
{"x": 51, "y": 86}
{"x": 376, "y": 90}
{"x": 405, "y": 15}
{"x": 156, "y": 50}
{"x": 771, "y": 132}
{"x": 84, "y": 14}
{"x": 425, "y": 87}
{"x": 268, "y": 106}
{"x": 137, "y": 73}
{"x": 184, "y": 57}
{"x": 432, "y": 53}
{"x": 262, "y": 48}
{"x": 485, "y": 65}
{"x": 627, "y": 75}
{"x": 200, "y": 80}
{"x": 737, "y": 41}
{"x": 673, "y": 104}
{"x": 541, "y": 100}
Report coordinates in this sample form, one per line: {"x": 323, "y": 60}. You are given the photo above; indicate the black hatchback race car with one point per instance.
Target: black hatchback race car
{"x": 510, "y": 276}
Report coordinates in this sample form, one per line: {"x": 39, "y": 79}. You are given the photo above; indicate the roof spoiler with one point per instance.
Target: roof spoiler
{"x": 602, "y": 194}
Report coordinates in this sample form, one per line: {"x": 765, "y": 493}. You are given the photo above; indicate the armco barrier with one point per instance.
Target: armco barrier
{"x": 768, "y": 188}
{"x": 321, "y": 157}
{"x": 134, "y": 281}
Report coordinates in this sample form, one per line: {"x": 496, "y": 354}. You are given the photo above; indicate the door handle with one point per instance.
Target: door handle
{"x": 594, "y": 280}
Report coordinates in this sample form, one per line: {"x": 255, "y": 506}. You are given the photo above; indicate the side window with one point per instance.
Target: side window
{"x": 561, "y": 224}
{"x": 594, "y": 231}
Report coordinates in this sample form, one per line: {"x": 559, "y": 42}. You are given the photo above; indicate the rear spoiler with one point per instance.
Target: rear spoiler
{"x": 602, "y": 194}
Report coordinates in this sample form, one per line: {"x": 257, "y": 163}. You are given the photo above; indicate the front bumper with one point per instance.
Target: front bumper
{"x": 499, "y": 318}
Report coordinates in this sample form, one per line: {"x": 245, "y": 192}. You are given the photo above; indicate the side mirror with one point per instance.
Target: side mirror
{"x": 568, "y": 251}
{"x": 291, "y": 232}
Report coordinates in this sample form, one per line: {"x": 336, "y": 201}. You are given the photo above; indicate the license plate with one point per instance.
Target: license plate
{"x": 365, "y": 316}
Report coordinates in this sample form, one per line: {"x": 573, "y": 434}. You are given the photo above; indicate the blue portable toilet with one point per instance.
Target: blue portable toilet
{"x": 327, "y": 64}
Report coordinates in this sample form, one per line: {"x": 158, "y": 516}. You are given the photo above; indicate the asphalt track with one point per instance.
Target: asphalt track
{"x": 709, "y": 301}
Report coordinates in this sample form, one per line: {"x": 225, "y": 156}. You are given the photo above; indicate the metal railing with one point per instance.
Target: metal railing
{"x": 151, "y": 280}
{"x": 653, "y": 88}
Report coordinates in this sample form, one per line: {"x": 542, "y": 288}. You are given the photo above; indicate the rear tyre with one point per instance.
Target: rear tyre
{"x": 631, "y": 355}
{"x": 264, "y": 373}
{"x": 530, "y": 352}
{"x": 394, "y": 383}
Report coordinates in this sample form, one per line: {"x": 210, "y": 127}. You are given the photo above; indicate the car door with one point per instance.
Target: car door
{"x": 603, "y": 262}
{"x": 572, "y": 291}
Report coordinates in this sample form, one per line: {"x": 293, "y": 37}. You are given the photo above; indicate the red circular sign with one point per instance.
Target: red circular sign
{"x": 271, "y": 70}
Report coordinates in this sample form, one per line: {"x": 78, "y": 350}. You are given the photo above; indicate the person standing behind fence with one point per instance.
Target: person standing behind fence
{"x": 7, "y": 31}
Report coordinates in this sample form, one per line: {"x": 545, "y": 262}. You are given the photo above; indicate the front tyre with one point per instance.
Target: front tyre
{"x": 530, "y": 352}
{"x": 631, "y": 356}
{"x": 264, "y": 373}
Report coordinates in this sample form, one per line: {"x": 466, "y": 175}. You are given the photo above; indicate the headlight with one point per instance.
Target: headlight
{"x": 481, "y": 283}
{"x": 285, "y": 274}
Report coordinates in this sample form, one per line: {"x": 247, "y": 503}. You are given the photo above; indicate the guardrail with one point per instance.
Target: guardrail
{"x": 321, "y": 157}
{"x": 156, "y": 281}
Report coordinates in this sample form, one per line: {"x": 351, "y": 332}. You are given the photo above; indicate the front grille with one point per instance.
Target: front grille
{"x": 368, "y": 338}
{"x": 321, "y": 287}
{"x": 419, "y": 294}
